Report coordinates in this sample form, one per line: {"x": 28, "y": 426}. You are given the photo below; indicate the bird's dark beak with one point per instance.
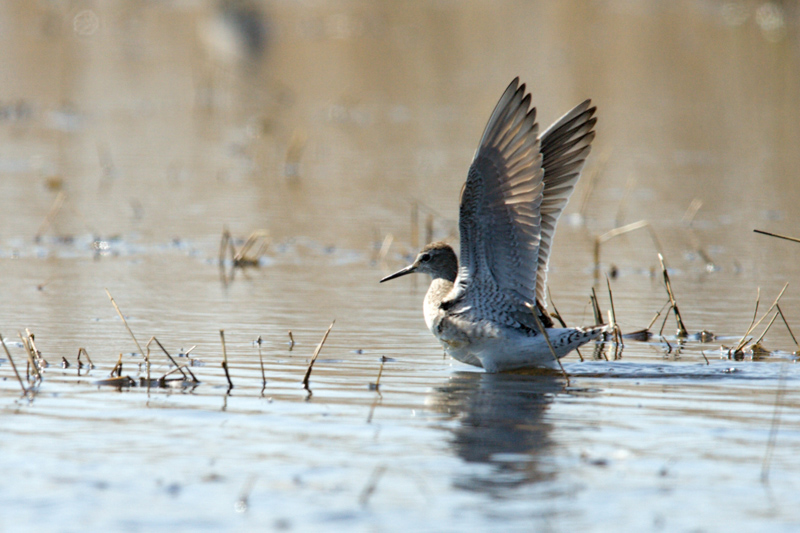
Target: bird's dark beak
{"x": 402, "y": 272}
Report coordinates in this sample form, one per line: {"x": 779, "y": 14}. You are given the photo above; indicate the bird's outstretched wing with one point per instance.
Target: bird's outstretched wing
{"x": 564, "y": 147}
{"x": 499, "y": 217}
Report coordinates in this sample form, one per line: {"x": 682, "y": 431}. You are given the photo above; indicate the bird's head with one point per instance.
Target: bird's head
{"x": 437, "y": 259}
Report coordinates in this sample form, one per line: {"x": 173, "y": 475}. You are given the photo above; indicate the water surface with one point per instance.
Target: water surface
{"x": 325, "y": 124}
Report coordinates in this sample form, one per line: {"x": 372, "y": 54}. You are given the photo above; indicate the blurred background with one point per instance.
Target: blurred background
{"x": 171, "y": 118}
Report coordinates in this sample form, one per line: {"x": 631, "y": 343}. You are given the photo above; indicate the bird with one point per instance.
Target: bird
{"x": 489, "y": 310}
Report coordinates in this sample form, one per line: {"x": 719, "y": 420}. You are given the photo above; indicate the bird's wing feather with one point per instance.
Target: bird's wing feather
{"x": 499, "y": 218}
{"x": 564, "y": 147}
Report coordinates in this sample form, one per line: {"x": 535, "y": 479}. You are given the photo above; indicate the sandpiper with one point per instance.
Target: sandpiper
{"x": 482, "y": 311}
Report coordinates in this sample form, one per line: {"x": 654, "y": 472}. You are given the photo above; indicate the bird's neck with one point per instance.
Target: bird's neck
{"x": 439, "y": 289}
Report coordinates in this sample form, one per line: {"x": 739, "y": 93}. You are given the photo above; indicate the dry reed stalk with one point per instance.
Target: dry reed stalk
{"x": 147, "y": 365}
{"x": 377, "y": 385}
{"x": 117, "y": 368}
{"x": 51, "y": 214}
{"x": 616, "y": 232}
{"x": 543, "y": 331}
{"x": 173, "y": 360}
{"x": 314, "y": 357}
{"x": 31, "y": 359}
{"x": 561, "y": 320}
{"x": 429, "y": 228}
{"x": 124, "y": 322}
{"x": 598, "y": 315}
{"x": 13, "y": 366}
{"x": 385, "y": 246}
{"x": 259, "y": 341}
{"x": 793, "y": 239}
{"x": 658, "y": 314}
{"x": 754, "y": 325}
{"x": 225, "y": 360}
{"x": 162, "y": 380}
{"x": 613, "y": 315}
{"x": 223, "y": 244}
{"x": 294, "y": 152}
{"x": 84, "y": 352}
{"x": 41, "y": 360}
{"x": 36, "y": 353}
{"x": 761, "y": 337}
{"x": 681, "y": 327}
{"x": 789, "y": 328}
{"x": 629, "y": 185}
{"x": 591, "y": 179}
{"x": 291, "y": 340}
{"x": 691, "y": 211}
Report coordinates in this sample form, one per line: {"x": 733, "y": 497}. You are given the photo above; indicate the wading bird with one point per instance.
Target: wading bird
{"x": 482, "y": 311}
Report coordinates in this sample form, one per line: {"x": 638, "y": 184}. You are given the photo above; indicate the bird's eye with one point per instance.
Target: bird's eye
{"x": 424, "y": 257}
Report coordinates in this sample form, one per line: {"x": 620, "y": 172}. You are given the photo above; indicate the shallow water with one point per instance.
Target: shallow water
{"x": 161, "y": 125}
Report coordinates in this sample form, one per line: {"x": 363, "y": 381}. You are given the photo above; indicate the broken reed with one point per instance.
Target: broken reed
{"x": 754, "y": 324}
{"x": 32, "y": 364}
{"x": 124, "y": 322}
{"x": 314, "y": 357}
{"x": 673, "y": 304}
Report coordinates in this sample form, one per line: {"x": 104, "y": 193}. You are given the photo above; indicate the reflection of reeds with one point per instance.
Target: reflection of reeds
{"x": 591, "y": 179}
{"x": 51, "y": 214}
{"x": 245, "y": 256}
{"x": 294, "y": 152}
{"x": 616, "y": 232}
{"x": 773, "y": 429}
{"x": 371, "y": 485}
{"x": 694, "y": 239}
{"x": 314, "y": 357}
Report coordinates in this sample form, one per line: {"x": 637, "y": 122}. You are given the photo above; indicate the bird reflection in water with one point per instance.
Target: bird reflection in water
{"x": 502, "y": 424}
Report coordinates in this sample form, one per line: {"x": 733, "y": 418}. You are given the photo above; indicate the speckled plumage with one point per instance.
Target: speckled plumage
{"x": 517, "y": 186}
